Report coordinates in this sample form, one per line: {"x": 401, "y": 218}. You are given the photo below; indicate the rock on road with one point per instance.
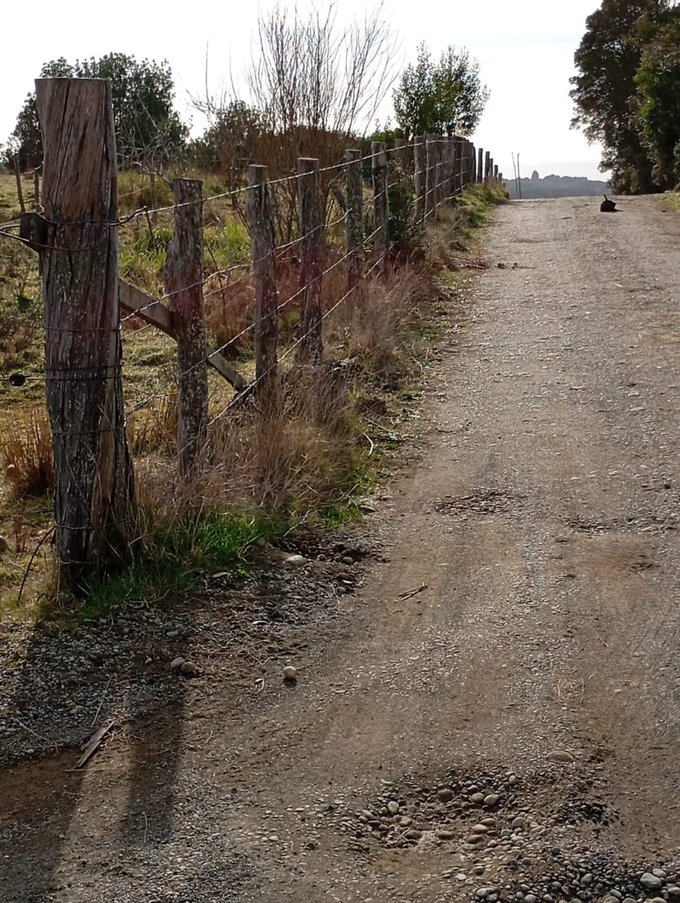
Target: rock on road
{"x": 500, "y": 716}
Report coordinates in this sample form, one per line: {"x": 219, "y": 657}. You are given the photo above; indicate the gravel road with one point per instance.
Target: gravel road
{"x": 488, "y": 707}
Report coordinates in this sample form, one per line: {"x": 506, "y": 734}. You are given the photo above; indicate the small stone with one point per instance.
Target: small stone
{"x": 295, "y": 560}
{"x": 176, "y": 663}
{"x": 290, "y": 672}
{"x": 479, "y": 829}
{"x": 491, "y": 799}
{"x": 659, "y": 873}
{"x": 673, "y": 892}
{"x": 445, "y": 794}
{"x": 393, "y": 807}
{"x": 189, "y": 669}
{"x": 560, "y": 755}
{"x": 530, "y": 898}
{"x": 651, "y": 882}
{"x": 587, "y": 880}
{"x": 477, "y": 798}
{"x": 444, "y": 834}
{"x": 519, "y": 822}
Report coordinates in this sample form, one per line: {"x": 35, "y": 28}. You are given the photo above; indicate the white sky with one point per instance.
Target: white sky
{"x": 525, "y": 50}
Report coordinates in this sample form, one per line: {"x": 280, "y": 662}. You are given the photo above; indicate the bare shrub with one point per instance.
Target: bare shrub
{"x": 27, "y": 458}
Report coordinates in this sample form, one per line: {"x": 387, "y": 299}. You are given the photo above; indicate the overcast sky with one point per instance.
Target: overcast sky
{"x": 525, "y": 50}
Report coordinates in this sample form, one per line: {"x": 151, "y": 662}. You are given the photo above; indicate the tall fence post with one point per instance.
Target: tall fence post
{"x": 94, "y": 499}
{"x": 495, "y": 172}
{"x": 311, "y": 225}
{"x": 430, "y": 173}
{"x": 379, "y": 172}
{"x": 355, "y": 218}
{"x": 183, "y": 281}
{"x": 419, "y": 176}
{"x": 450, "y": 169}
{"x": 402, "y": 155}
{"x": 465, "y": 163}
{"x": 266, "y": 324}
{"x": 487, "y": 167}
{"x": 480, "y": 165}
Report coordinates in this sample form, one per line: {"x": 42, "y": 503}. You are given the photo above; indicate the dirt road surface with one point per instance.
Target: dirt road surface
{"x": 494, "y": 713}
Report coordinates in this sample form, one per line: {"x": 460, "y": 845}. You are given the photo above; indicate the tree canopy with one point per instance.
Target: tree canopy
{"x": 147, "y": 127}
{"x": 443, "y": 97}
{"x": 608, "y": 88}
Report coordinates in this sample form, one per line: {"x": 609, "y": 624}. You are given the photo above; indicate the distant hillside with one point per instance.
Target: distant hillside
{"x": 557, "y": 187}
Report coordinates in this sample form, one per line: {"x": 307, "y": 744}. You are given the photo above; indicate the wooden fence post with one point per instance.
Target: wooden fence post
{"x": 438, "y": 185}
{"x": 495, "y": 173}
{"x": 36, "y": 188}
{"x": 430, "y": 173}
{"x": 94, "y": 497}
{"x": 419, "y": 177}
{"x": 469, "y": 151}
{"x": 17, "y": 179}
{"x": 311, "y": 225}
{"x": 450, "y": 169}
{"x": 183, "y": 282}
{"x": 480, "y": 165}
{"x": 487, "y": 167}
{"x": 379, "y": 171}
{"x": 402, "y": 156}
{"x": 266, "y": 327}
{"x": 355, "y": 218}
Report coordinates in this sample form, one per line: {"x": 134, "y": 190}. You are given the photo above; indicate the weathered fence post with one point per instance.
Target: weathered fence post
{"x": 468, "y": 167}
{"x": 487, "y": 167}
{"x": 430, "y": 173}
{"x": 183, "y": 282}
{"x": 355, "y": 218}
{"x": 480, "y": 165}
{"x": 402, "y": 156}
{"x": 311, "y": 242}
{"x": 264, "y": 270}
{"x": 36, "y": 188}
{"x": 438, "y": 185}
{"x": 495, "y": 173}
{"x": 379, "y": 171}
{"x": 94, "y": 497}
{"x": 419, "y": 177}
{"x": 17, "y": 179}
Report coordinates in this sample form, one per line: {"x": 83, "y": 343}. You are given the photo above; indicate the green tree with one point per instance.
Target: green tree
{"x": 658, "y": 85}
{"x": 443, "y": 97}
{"x": 148, "y": 130}
{"x": 604, "y": 89}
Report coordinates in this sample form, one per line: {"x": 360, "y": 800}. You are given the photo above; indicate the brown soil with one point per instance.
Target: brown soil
{"x": 520, "y": 638}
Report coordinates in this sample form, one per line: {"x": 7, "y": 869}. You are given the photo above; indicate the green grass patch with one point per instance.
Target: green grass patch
{"x": 175, "y": 560}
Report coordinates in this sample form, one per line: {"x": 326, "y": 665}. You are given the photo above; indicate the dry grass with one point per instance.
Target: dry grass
{"x": 154, "y": 427}
{"x": 290, "y": 452}
{"x": 27, "y": 458}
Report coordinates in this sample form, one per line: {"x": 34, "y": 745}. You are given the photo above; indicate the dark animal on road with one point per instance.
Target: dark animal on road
{"x": 608, "y": 206}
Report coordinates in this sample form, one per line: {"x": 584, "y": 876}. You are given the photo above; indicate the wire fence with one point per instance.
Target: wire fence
{"x": 235, "y": 293}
